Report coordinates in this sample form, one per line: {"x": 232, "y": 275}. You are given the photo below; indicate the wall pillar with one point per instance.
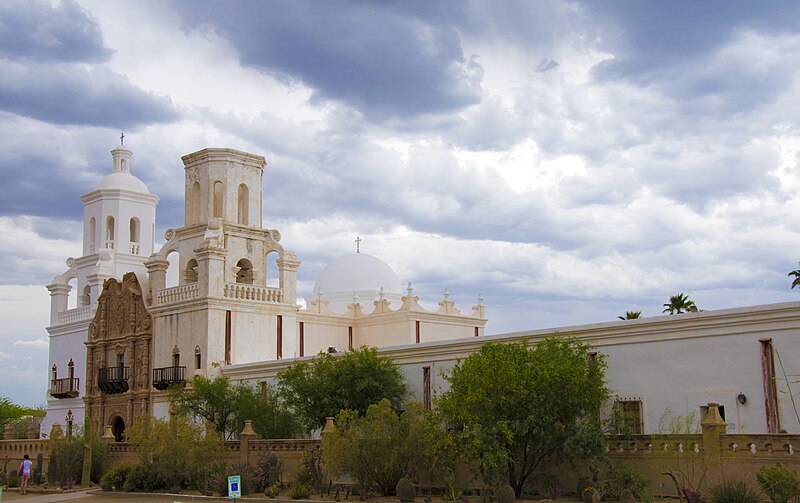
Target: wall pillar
{"x": 245, "y": 437}
{"x": 713, "y": 427}
{"x": 211, "y": 270}
{"x": 287, "y": 265}
{"x": 59, "y": 296}
{"x": 157, "y": 273}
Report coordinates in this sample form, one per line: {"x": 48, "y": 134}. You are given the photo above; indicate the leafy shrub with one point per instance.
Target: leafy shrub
{"x": 299, "y": 491}
{"x": 114, "y": 479}
{"x": 380, "y": 448}
{"x": 143, "y": 477}
{"x": 622, "y": 479}
{"x": 732, "y": 491}
{"x": 778, "y": 483}
{"x": 13, "y": 480}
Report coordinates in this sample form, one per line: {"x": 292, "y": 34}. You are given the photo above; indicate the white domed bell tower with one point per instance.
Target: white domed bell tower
{"x": 118, "y": 227}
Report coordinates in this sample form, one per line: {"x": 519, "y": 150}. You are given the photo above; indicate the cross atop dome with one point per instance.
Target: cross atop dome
{"x": 358, "y": 244}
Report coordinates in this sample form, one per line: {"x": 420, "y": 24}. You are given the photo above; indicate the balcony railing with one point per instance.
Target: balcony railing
{"x": 177, "y": 293}
{"x": 242, "y": 291}
{"x": 65, "y": 388}
{"x": 112, "y": 380}
{"x": 165, "y": 377}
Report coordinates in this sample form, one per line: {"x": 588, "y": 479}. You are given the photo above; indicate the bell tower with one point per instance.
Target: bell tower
{"x": 223, "y": 312}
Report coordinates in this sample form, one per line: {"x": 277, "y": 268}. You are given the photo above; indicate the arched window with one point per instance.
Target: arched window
{"x": 244, "y": 204}
{"x": 197, "y": 359}
{"x": 92, "y": 235}
{"x": 244, "y": 273}
{"x": 110, "y": 233}
{"x": 134, "y": 230}
{"x": 134, "y": 242}
{"x": 218, "y": 199}
{"x": 190, "y": 274}
{"x": 195, "y": 216}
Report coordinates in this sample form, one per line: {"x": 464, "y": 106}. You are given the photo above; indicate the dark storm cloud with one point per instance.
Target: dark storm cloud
{"x": 386, "y": 60}
{"x": 71, "y": 94}
{"x": 650, "y": 38}
{"x": 43, "y": 31}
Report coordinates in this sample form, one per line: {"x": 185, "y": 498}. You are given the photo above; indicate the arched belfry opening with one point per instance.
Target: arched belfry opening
{"x": 218, "y": 199}
{"x": 190, "y": 274}
{"x": 244, "y": 272}
{"x": 244, "y": 204}
{"x": 110, "y": 232}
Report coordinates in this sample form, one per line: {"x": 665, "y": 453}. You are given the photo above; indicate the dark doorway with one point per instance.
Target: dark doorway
{"x": 118, "y": 429}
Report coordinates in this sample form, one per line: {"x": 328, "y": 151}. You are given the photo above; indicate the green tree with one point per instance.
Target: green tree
{"x": 680, "y": 303}
{"x": 631, "y": 315}
{"x": 511, "y": 407}
{"x": 178, "y": 451}
{"x": 380, "y": 447}
{"x": 11, "y": 413}
{"x": 796, "y": 274}
{"x": 227, "y": 406}
{"x": 330, "y": 383}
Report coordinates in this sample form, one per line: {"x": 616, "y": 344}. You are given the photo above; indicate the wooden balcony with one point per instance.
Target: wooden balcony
{"x": 165, "y": 377}
{"x": 65, "y": 388}
{"x": 112, "y": 380}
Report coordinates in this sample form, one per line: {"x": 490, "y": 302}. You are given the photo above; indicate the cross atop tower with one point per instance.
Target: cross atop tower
{"x": 122, "y": 138}
{"x": 358, "y": 244}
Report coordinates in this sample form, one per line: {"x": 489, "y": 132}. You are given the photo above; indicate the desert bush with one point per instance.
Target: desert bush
{"x": 732, "y": 491}
{"x": 618, "y": 480}
{"x": 13, "y": 480}
{"x": 268, "y": 472}
{"x": 178, "y": 449}
{"x": 248, "y": 474}
{"x": 378, "y": 449}
{"x": 114, "y": 479}
{"x": 780, "y": 484}
{"x": 143, "y": 477}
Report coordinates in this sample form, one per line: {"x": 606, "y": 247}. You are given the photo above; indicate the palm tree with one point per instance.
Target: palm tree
{"x": 796, "y": 274}
{"x": 679, "y": 304}
{"x": 631, "y": 315}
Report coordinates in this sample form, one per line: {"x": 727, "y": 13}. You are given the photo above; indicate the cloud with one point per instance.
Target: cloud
{"x": 36, "y": 344}
{"x": 5, "y": 356}
{"x": 385, "y": 60}
{"x": 67, "y": 94}
{"x": 49, "y": 31}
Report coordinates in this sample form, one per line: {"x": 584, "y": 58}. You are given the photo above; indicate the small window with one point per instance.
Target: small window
{"x": 218, "y": 191}
{"x": 110, "y": 229}
{"x": 244, "y": 204}
{"x": 426, "y": 387}
{"x": 631, "y": 411}
{"x": 121, "y": 360}
{"x": 197, "y": 360}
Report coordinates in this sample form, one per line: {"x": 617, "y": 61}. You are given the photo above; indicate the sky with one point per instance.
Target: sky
{"x": 568, "y": 160}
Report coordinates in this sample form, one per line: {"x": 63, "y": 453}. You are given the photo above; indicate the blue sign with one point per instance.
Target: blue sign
{"x": 234, "y": 486}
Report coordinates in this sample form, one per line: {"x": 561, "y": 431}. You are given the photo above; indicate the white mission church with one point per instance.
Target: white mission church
{"x": 234, "y": 312}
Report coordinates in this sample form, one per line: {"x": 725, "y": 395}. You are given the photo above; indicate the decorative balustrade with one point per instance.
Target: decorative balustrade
{"x": 109, "y": 245}
{"x": 65, "y": 388}
{"x": 178, "y": 293}
{"x": 77, "y": 314}
{"x": 134, "y": 249}
{"x": 242, "y": 291}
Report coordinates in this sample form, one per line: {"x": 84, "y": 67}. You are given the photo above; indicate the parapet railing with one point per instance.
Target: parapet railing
{"x": 243, "y": 291}
{"x": 77, "y": 314}
{"x": 178, "y": 293}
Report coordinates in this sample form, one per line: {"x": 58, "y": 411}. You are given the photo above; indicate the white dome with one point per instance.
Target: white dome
{"x": 358, "y": 272}
{"x": 123, "y": 181}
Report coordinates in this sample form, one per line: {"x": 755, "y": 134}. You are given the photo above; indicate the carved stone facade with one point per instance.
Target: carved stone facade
{"x": 118, "y": 357}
